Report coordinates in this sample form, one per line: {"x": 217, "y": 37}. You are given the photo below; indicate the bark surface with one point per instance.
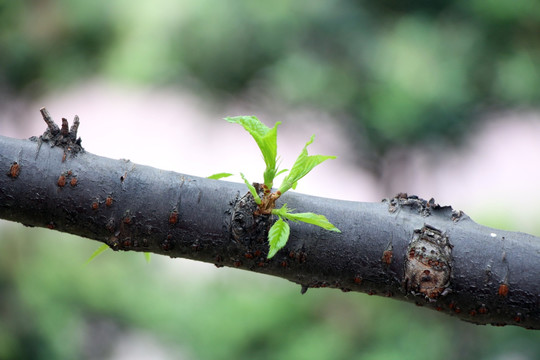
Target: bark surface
{"x": 405, "y": 247}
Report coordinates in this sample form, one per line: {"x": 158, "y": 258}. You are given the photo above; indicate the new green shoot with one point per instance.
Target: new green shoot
{"x": 266, "y": 139}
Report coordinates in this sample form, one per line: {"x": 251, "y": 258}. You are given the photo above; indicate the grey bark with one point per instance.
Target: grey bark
{"x": 405, "y": 248}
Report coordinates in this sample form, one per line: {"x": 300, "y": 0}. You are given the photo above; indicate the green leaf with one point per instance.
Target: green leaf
{"x": 311, "y": 218}
{"x": 266, "y": 139}
{"x": 219, "y": 176}
{"x": 147, "y": 256}
{"x": 282, "y": 211}
{"x": 252, "y": 190}
{"x": 303, "y": 165}
{"x": 101, "y": 249}
{"x": 278, "y": 236}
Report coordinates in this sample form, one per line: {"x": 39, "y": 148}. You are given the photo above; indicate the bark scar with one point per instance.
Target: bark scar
{"x": 246, "y": 225}
{"x": 428, "y": 263}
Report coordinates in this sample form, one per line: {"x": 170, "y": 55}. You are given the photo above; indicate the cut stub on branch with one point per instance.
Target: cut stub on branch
{"x": 63, "y": 137}
{"x": 428, "y": 264}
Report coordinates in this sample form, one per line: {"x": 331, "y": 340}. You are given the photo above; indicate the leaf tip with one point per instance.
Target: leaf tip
{"x": 219, "y": 176}
{"x": 101, "y": 249}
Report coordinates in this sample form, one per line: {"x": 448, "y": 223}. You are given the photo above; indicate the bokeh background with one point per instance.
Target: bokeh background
{"x": 435, "y": 98}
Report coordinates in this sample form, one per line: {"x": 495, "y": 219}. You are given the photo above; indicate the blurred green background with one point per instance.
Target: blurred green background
{"x": 396, "y": 74}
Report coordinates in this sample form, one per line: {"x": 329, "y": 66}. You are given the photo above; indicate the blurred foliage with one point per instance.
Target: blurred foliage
{"x": 407, "y": 72}
{"x": 54, "y": 307}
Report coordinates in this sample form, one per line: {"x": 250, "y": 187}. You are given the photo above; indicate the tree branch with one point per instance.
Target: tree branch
{"x": 405, "y": 248}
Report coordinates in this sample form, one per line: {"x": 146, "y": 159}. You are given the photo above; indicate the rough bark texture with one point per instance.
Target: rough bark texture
{"x": 405, "y": 248}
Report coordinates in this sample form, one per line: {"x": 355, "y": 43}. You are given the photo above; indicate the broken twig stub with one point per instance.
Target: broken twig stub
{"x": 61, "y": 137}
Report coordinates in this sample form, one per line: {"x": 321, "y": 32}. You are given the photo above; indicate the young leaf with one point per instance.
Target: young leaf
{"x": 266, "y": 139}
{"x": 101, "y": 249}
{"x": 219, "y": 176}
{"x": 303, "y": 165}
{"x": 147, "y": 256}
{"x": 252, "y": 190}
{"x": 311, "y": 218}
{"x": 282, "y": 211}
{"x": 278, "y": 236}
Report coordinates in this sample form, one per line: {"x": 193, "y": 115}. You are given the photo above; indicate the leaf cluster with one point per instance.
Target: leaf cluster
{"x": 266, "y": 139}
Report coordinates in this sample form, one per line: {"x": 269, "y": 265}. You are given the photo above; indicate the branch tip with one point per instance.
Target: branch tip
{"x": 74, "y": 128}
{"x": 65, "y": 127}
{"x": 50, "y": 122}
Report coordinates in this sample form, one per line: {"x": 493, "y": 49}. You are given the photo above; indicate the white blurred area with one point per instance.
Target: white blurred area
{"x": 494, "y": 171}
